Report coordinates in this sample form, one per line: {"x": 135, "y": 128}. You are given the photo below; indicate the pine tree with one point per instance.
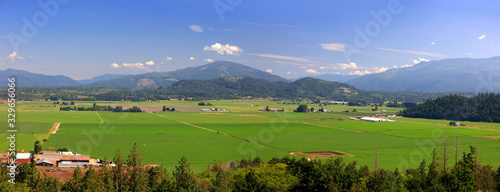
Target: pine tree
{"x": 119, "y": 172}
{"x": 138, "y": 178}
{"x": 184, "y": 178}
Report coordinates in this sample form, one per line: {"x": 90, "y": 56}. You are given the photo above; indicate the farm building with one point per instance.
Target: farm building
{"x": 338, "y": 102}
{"x": 205, "y": 110}
{"x": 375, "y": 119}
{"x": 66, "y": 160}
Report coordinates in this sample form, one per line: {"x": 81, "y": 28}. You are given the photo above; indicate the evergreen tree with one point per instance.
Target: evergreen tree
{"x": 76, "y": 182}
{"x": 184, "y": 178}
{"x": 221, "y": 182}
{"x": 38, "y": 146}
{"x": 119, "y": 172}
{"x": 137, "y": 175}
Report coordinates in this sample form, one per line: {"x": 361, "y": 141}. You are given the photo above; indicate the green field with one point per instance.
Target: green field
{"x": 245, "y": 131}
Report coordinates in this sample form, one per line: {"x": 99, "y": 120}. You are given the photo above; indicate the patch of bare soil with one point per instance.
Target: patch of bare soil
{"x": 239, "y": 115}
{"x": 327, "y": 119}
{"x": 247, "y": 115}
{"x": 60, "y": 173}
{"x": 489, "y": 136}
{"x": 322, "y": 154}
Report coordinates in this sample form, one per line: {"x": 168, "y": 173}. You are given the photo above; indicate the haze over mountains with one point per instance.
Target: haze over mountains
{"x": 213, "y": 70}
{"x": 331, "y": 77}
{"x": 449, "y": 75}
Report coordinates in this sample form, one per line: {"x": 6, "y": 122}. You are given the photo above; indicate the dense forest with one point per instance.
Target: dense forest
{"x": 482, "y": 107}
{"x": 285, "y": 174}
{"x": 225, "y": 88}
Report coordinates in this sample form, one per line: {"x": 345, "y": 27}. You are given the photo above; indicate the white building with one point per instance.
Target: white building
{"x": 23, "y": 156}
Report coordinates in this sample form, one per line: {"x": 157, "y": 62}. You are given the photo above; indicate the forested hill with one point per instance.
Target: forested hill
{"x": 226, "y": 88}
{"x": 213, "y": 70}
{"x": 483, "y": 107}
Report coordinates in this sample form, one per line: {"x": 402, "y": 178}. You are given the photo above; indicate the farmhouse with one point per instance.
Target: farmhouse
{"x": 205, "y": 110}
{"x": 338, "y": 102}
{"x": 66, "y": 159}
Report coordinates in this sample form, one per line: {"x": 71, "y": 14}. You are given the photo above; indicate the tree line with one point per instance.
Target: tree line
{"x": 278, "y": 174}
{"x": 103, "y": 108}
{"x": 482, "y": 107}
{"x": 221, "y": 88}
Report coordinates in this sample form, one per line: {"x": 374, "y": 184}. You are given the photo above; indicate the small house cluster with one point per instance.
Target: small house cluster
{"x": 213, "y": 109}
{"x": 55, "y": 159}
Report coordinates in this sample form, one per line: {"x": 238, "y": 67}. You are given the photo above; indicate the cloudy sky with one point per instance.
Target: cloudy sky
{"x": 82, "y": 39}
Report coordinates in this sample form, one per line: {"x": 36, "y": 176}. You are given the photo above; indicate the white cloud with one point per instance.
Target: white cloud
{"x": 208, "y": 60}
{"x": 224, "y": 49}
{"x": 358, "y": 72}
{"x": 296, "y": 59}
{"x": 481, "y": 37}
{"x": 406, "y": 65}
{"x": 413, "y": 52}
{"x": 286, "y": 62}
{"x": 115, "y": 65}
{"x": 381, "y": 69}
{"x": 333, "y": 47}
{"x": 169, "y": 58}
{"x": 196, "y": 28}
{"x": 192, "y": 58}
{"x": 311, "y": 71}
{"x": 433, "y": 43}
{"x": 417, "y": 61}
{"x": 395, "y": 66}
{"x": 134, "y": 65}
{"x": 150, "y": 63}
{"x": 292, "y": 73}
{"x": 348, "y": 66}
{"x": 13, "y": 57}
{"x": 302, "y": 67}
{"x": 269, "y": 70}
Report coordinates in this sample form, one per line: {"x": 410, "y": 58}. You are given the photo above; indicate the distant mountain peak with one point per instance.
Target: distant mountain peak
{"x": 447, "y": 75}
{"x": 213, "y": 70}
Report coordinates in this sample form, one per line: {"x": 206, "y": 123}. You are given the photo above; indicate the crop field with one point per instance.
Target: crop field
{"x": 246, "y": 131}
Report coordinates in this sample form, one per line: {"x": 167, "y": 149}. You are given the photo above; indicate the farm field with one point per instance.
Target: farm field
{"x": 245, "y": 131}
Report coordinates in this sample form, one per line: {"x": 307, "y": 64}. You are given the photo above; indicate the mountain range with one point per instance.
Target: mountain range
{"x": 213, "y": 70}
{"x": 447, "y": 75}
{"x": 331, "y": 77}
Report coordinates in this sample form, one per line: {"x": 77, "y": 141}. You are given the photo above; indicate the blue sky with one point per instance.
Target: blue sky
{"x": 83, "y": 39}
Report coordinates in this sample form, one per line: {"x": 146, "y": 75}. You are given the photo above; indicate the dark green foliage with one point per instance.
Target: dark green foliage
{"x": 409, "y": 104}
{"x": 38, "y": 147}
{"x": 185, "y": 179}
{"x": 301, "y": 109}
{"x": 498, "y": 179}
{"x": 63, "y": 149}
{"x": 483, "y": 107}
{"x": 284, "y": 174}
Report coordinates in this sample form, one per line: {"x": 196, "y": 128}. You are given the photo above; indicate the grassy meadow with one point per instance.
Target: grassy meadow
{"x": 244, "y": 131}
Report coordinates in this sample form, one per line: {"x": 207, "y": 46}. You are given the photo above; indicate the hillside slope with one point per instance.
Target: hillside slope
{"x": 448, "y": 75}
{"x": 213, "y": 70}
{"x": 28, "y": 79}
